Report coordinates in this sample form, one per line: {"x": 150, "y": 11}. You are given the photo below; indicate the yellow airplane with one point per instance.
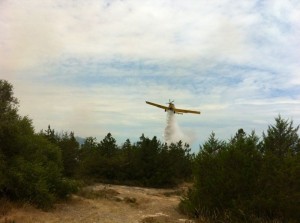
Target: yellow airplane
{"x": 171, "y": 107}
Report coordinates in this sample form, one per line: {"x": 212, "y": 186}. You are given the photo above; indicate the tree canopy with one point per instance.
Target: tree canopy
{"x": 246, "y": 177}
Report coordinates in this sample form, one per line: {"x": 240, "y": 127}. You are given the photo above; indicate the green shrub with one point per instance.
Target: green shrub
{"x": 247, "y": 179}
{"x": 31, "y": 167}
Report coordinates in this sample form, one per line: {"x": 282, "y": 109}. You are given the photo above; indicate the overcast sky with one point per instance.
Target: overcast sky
{"x": 88, "y": 66}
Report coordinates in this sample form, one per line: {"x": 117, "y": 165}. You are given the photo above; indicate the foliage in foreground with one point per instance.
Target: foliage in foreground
{"x": 30, "y": 166}
{"x": 246, "y": 177}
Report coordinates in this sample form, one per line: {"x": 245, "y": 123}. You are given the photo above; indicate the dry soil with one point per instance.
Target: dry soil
{"x": 103, "y": 203}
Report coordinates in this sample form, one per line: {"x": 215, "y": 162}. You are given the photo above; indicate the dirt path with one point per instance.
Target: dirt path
{"x": 107, "y": 204}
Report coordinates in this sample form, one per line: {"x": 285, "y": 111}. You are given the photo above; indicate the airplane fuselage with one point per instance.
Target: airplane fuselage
{"x": 171, "y": 106}
{"x": 173, "y": 109}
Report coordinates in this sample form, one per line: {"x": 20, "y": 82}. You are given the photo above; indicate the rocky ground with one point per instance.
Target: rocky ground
{"x": 106, "y": 204}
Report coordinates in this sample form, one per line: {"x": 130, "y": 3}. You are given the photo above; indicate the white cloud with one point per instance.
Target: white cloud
{"x": 157, "y": 29}
{"x": 236, "y": 62}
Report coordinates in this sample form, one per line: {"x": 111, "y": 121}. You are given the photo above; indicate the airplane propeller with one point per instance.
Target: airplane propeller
{"x": 170, "y": 101}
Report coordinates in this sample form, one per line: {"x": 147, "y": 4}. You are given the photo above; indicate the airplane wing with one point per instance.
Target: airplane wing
{"x": 186, "y": 111}
{"x": 157, "y": 105}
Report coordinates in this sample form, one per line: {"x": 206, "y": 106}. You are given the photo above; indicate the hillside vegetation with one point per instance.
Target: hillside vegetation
{"x": 247, "y": 179}
{"x": 244, "y": 179}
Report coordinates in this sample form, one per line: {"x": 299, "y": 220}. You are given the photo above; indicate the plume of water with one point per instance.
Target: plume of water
{"x": 172, "y": 132}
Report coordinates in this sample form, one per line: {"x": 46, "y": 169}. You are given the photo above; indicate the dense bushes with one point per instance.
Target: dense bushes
{"x": 147, "y": 162}
{"x": 69, "y": 148}
{"x": 30, "y": 166}
{"x": 246, "y": 177}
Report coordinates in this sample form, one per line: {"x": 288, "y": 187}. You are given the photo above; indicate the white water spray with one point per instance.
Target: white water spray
{"x": 173, "y": 132}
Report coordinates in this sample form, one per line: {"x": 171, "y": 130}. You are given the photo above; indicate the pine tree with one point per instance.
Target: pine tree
{"x": 279, "y": 178}
{"x": 282, "y": 138}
